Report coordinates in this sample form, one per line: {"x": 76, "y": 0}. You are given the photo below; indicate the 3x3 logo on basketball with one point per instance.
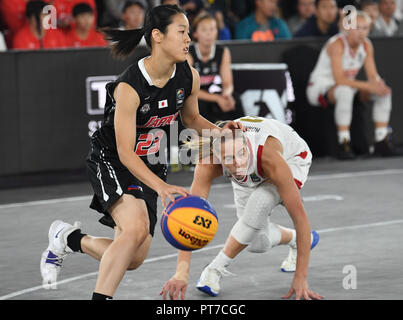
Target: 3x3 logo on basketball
{"x": 201, "y": 221}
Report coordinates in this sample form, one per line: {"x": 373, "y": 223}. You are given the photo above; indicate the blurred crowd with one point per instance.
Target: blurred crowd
{"x": 33, "y": 24}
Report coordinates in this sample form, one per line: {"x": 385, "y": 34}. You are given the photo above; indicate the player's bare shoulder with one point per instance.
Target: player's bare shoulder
{"x": 368, "y": 46}
{"x": 335, "y": 47}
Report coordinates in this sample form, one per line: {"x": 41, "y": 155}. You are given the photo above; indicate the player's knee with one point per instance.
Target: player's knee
{"x": 344, "y": 93}
{"x": 243, "y": 232}
{"x": 135, "y": 264}
{"x": 136, "y": 232}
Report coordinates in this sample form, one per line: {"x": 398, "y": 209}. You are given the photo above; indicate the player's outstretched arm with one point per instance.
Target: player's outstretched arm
{"x": 202, "y": 179}
{"x": 177, "y": 285}
{"x": 279, "y": 173}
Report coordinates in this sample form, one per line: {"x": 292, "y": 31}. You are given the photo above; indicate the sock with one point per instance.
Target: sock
{"x": 221, "y": 261}
{"x": 380, "y": 133}
{"x": 344, "y": 135}
{"x": 100, "y": 296}
{"x": 74, "y": 240}
{"x": 293, "y": 242}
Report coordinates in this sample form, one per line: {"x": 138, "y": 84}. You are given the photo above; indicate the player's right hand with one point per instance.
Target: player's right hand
{"x": 168, "y": 191}
{"x": 379, "y": 88}
{"x": 174, "y": 287}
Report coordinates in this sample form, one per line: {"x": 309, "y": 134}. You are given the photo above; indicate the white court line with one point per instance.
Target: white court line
{"x": 361, "y": 226}
{"x": 214, "y": 186}
{"x": 319, "y": 197}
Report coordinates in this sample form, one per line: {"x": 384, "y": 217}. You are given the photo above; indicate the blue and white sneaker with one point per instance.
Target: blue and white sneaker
{"x": 52, "y": 258}
{"x": 209, "y": 281}
{"x": 290, "y": 263}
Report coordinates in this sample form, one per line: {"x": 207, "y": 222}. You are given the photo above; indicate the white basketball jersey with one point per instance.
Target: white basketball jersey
{"x": 259, "y": 129}
{"x": 352, "y": 63}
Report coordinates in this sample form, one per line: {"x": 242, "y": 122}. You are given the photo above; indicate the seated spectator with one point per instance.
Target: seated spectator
{"x": 171, "y": 2}
{"x": 133, "y": 14}
{"x": 370, "y": 7}
{"x": 224, "y": 32}
{"x": 305, "y": 8}
{"x": 399, "y": 10}
{"x": 262, "y": 25}
{"x": 387, "y": 25}
{"x": 83, "y": 33}
{"x": 112, "y": 15}
{"x": 33, "y": 35}
{"x": 64, "y": 10}
{"x": 213, "y": 62}
{"x": 3, "y": 46}
{"x": 233, "y": 11}
{"x": 13, "y": 15}
{"x": 323, "y": 23}
{"x": 192, "y": 6}
{"x": 333, "y": 81}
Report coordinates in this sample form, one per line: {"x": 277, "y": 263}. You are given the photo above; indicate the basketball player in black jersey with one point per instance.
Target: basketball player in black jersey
{"x": 217, "y": 100}
{"x": 150, "y": 94}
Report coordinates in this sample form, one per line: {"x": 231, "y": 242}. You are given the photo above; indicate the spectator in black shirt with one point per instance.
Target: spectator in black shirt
{"x": 323, "y": 23}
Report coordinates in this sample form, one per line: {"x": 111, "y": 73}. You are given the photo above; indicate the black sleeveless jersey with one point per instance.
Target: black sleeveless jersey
{"x": 159, "y": 108}
{"x": 209, "y": 71}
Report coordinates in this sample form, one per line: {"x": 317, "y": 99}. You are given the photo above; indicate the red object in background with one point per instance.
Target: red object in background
{"x": 25, "y": 39}
{"x": 94, "y": 39}
{"x": 13, "y": 14}
{"x": 64, "y": 8}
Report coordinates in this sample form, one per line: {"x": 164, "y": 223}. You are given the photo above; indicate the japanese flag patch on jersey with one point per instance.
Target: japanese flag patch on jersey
{"x": 162, "y": 104}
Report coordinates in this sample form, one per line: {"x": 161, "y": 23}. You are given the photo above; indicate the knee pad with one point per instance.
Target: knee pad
{"x": 255, "y": 215}
{"x": 243, "y": 233}
{"x": 345, "y": 92}
{"x": 260, "y": 205}
{"x": 382, "y": 108}
{"x": 344, "y": 97}
{"x": 266, "y": 239}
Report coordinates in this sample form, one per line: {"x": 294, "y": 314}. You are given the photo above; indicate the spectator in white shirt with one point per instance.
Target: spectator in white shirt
{"x": 387, "y": 25}
{"x": 399, "y": 10}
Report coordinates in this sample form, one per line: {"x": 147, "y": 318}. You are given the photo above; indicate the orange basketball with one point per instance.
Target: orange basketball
{"x": 189, "y": 223}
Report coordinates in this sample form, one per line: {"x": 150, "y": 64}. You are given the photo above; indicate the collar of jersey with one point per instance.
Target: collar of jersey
{"x": 199, "y": 55}
{"x": 145, "y": 73}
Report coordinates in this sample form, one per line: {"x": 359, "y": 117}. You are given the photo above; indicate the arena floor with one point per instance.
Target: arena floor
{"x": 355, "y": 206}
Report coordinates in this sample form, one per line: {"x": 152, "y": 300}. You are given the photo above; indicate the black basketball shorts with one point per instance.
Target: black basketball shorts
{"x": 110, "y": 179}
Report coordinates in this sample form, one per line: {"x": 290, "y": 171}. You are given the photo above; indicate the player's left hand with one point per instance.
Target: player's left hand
{"x": 174, "y": 287}
{"x": 300, "y": 288}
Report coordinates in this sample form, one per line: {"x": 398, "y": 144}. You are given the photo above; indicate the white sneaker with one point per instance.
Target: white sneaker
{"x": 290, "y": 263}
{"x": 209, "y": 281}
{"x": 52, "y": 257}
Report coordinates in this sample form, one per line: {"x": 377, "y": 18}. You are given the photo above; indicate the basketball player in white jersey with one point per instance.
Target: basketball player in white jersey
{"x": 333, "y": 81}
{"x": 267, "y": 164}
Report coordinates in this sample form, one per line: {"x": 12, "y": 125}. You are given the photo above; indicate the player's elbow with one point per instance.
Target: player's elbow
{"x": 189, "y": 121}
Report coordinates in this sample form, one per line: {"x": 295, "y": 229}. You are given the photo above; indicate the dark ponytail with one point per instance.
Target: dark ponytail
{"x": 124, "y": 42}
